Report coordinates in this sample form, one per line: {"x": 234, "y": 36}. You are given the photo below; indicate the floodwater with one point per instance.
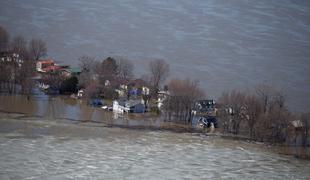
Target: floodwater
{"x": 224, "y": 44}
{"x": 63, "y": 107}
{"x": 85, "y": 152}
{"x": 41, "y": 145}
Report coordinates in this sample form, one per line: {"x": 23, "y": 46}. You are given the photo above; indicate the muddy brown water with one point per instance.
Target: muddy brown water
{"x": 64, "y": 107}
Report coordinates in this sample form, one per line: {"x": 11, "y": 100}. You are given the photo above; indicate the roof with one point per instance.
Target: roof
{"x": 46, "y": 61}
{"x": 51, "y": 68}
{"x": 74, "y": 70}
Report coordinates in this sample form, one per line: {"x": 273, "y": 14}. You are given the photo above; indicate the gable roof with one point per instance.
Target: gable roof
{"x": 46, "y": 61}
{"x": 51, "y": 68}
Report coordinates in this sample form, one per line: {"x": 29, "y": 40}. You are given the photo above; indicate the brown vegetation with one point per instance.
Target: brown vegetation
{"x": 183, "y": 94}
{"x": 262, "y": 116}
{"x": 18, "y": 64}
{"x": 159, "y": 71}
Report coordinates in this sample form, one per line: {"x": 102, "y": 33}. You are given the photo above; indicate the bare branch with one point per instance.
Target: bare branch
{"x": 37, "y": 48}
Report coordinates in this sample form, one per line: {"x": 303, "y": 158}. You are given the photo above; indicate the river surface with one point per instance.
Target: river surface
{"x": 223, "y": 44}
{"x": 48, "y": 150}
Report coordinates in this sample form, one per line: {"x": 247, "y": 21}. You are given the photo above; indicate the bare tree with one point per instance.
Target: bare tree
{"x": 89, "y": 68}
{"x": 4, "y": 39}
{"x": 125, "y": 68}
{"x": 25, "y": 76}
{"x": 87, "y": 63}
{"x": 273, "y": 123}
{"x": 108, "y": 70}
{"x": 233, "y": 110}
{"x": 183, "y": 95}
{"x": 37, "y": 48}
{"x": 253, "y": 112}
{"x": 265, "y": 93}
{"x": 159, "y": 71}
{"x": 19, "y": 46}
{"x": 92, "y": 90}
{"x": 6, "y": 70}
{"x": 305, "y": 119}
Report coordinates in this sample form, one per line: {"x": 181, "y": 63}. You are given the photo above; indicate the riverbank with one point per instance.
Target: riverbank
{"x": 117, "y": 123}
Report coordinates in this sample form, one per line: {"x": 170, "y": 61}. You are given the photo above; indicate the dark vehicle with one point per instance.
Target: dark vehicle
{"x": 207, "y": 121}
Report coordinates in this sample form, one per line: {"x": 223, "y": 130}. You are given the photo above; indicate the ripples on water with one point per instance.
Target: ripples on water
{"x": 131, "y": 154}
{"x": 224, "y": 44}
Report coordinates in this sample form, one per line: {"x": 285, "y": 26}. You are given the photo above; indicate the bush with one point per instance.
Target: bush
{"x": 69, "y": 85}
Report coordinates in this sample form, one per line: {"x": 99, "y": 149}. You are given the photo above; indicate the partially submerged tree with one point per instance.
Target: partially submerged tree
{"x": 183, "y": 95}
{"x": 233, "y": 110}
{"x": 26, "y": 73}
{"x": 69, "y": 85}
{"x": 92, "y": 90}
